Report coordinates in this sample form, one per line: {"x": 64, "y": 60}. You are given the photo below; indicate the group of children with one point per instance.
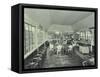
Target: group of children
{"x": 60, "y": 48}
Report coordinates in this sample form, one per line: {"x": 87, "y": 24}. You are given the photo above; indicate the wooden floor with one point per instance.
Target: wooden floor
{"x": 62, "y": 60}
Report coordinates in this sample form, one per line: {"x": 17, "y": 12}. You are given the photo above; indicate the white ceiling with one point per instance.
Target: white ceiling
{"x": 67, "y": 17}
{"x": 56, "y": 16}
{"x": 60, "y": 20}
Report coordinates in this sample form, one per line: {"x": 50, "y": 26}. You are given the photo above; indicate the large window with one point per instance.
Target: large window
{"x": 34, "y": 36}
{"x": 29, "y": 38}
{"x": 87, "y": 36}
{"x": 39, "y": 36}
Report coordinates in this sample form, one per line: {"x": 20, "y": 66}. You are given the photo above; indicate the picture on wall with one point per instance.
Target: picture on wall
{"x": 58, "y": 38}
{"x": 53, "y": 38}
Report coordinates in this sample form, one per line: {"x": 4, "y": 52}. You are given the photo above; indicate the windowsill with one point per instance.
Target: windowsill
{"x": 26, "y": 55}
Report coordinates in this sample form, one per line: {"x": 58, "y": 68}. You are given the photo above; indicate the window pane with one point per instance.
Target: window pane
{"x": 29, "y": 39}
